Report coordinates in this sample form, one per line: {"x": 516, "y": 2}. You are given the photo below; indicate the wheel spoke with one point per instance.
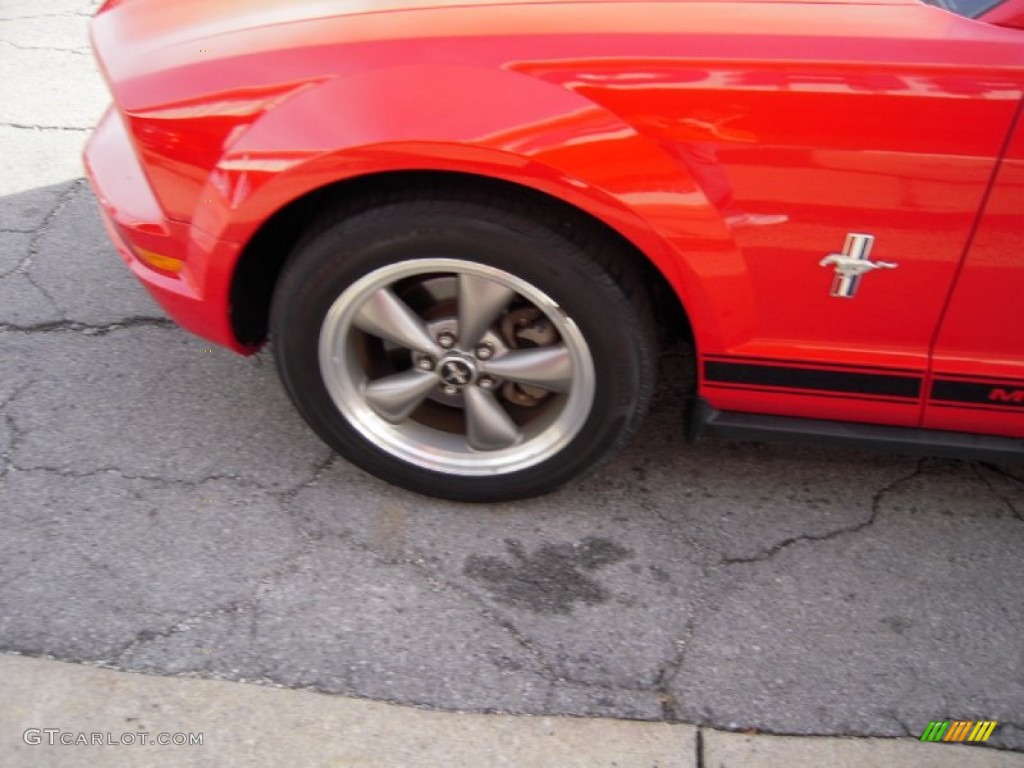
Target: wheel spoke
{"x": 488, "y": 427}
{"x": 549, "y": 368}
{"x": 388, "y": 317}
{"x": 480, "y": 302}
{"x": 393, "y": 398}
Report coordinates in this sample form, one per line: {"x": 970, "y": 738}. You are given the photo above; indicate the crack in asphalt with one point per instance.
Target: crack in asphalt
{"x": 284, "y": 498}
{"x": 158, "y": 480}
{"x": 667, "y": 699}
{"x": 62, "y": 201}
{"x": 46, "y": 294}
{"x": 9, "y": 464}
{"x": 1005, "y": 473}
{"x": 287, "y": 496}
{"x": 670, "y": 670}
{"x": 1017, "y": 513}
{"x": 7, "y": 456}
{"x": 71, "y": 326}
{"x": 876, "y": 502}
{"x": 16, "y": 432}
{"x": 996, "y": 469}
{"x": 184, "y": 624}
{"x": 480, "y": 607}
{"x": 248, "y": 605}
{"x": 290, "y": 565}
{"x": 906, "y": 728}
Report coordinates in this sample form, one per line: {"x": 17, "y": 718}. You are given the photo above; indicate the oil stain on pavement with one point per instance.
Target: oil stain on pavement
{"x": 552, "y": 579}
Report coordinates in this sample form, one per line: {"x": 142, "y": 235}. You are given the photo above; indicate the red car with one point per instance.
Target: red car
{"x": 462, "y": 222}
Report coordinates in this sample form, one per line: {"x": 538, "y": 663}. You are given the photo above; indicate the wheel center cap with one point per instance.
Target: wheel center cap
{"x": 456, "y": 373}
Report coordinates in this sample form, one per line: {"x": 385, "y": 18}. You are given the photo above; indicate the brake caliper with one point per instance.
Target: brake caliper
{"x": 526, "y": 328}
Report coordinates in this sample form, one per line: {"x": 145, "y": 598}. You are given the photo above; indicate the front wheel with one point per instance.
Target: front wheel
{"x": 463, "y": 351}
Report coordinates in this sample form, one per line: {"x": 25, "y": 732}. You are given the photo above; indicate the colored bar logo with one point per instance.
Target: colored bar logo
{"x": 959, "y": 730}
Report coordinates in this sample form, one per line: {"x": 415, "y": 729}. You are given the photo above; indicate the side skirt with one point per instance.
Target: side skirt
{"x": 705, "y": 421}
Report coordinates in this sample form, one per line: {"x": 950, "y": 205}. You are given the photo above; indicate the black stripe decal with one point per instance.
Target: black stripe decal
{"x": 996, "y": 381}
{"x": 813, "y": 379}
{"x": 810, "y": 364}
{"x": 1006, "y": 396}
{"x": 935, "y": 404}
{"x": 807, "y": 393}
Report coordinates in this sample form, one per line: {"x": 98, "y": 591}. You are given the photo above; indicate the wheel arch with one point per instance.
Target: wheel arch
{"x": 503, "y": 131}
{"x": 262, "y": 261}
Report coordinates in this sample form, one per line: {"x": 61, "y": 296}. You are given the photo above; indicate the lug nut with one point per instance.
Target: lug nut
{"x": 426, "y": 364}
{"x": 486, "y": 382}
{"x": 448, "y": 389}
{"x": 484, "y": 352}
{"x": 446, "y": 340}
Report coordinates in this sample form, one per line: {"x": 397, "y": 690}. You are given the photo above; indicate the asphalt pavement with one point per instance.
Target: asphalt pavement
{"x": 165, "y": 511}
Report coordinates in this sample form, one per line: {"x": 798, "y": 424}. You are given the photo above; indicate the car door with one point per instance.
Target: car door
{"x": 977, "y": 381}
{"x": 820, "y": 136}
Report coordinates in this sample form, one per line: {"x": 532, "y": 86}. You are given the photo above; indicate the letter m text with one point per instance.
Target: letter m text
{"x": 1000, "y": 395}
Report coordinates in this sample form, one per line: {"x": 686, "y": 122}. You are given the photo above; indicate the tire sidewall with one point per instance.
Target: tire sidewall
{"x": 325, "y": 266}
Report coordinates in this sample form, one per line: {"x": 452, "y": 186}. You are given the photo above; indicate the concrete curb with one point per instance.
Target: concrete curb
{"x": 249, "y": 725}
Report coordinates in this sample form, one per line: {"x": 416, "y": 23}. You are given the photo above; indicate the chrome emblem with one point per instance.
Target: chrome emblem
{"x": 852, "y": 264}
{"x": 456, "y": 373}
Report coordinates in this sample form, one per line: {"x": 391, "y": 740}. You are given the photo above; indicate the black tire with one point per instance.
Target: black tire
{"x": 436, "y": 256}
